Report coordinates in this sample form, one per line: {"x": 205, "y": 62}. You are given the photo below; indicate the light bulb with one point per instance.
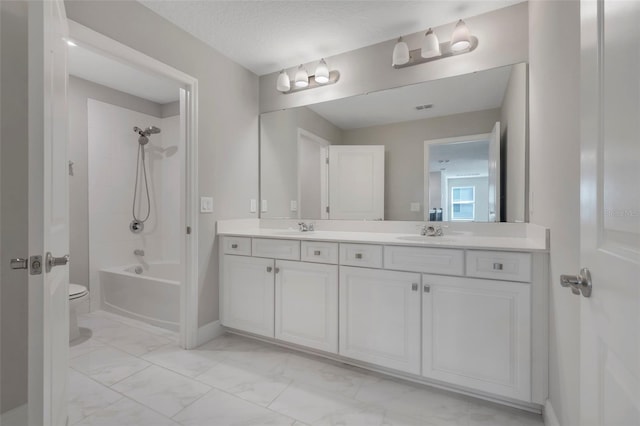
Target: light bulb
{"x": 302, "y": 78}
{"x": 400, "y": 53}
{"x": 283, "y": 84}
{"x": 430, "y": 45}
{"x": 461, "y": 38}
{"x": 322, "y": 73}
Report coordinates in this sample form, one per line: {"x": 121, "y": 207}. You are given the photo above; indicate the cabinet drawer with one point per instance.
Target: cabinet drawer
{"x": 237, "y": 245}
{"x": 314, "y": 251}
{"x": 277, "y": 249}
{"x": 365, "y": 255}
{"x": 424, "y": 259}
{"x": 499, "y": 265}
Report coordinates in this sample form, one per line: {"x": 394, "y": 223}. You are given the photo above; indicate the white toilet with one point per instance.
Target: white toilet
{"x": 77, "y": 295}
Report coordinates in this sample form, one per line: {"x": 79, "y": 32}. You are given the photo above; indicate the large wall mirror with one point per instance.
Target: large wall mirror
{"x": 453, "y": 149}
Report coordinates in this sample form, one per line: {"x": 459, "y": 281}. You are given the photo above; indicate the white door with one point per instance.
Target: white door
{"x": 313, "y": 176}
{"x": 48, "y": 213}
{"x": 248, "y": 294}
{"x": 356, "y": 182}
{"x": 307, "y": 304}
{"x": 380, "y": 317}
{"x": 610, "y": 213}
{"x": 494, "y": 174}
{"x": 477, "y": 333}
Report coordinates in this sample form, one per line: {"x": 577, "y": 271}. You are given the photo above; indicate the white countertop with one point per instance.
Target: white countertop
{"x": 451, "y": 239}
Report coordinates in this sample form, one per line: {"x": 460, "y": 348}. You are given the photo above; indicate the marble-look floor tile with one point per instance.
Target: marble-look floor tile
{"x": 241, "y": 381}
{"x": 138, "y": 324}
{"x": 108, "y": 365}
{"x": 483, "y": 413}
{"x": 132, "y": 340}
{"x": 162, "y": 390}
{"x": 368, "y": 416}
{"x": 309, "y": 404}
{"x": 188, "y": 363}
{"x": 84, "y": 344}
{"x": 86, "y": 396}
{"x": 219, "y": 408}
{"x": 126, "y": 413}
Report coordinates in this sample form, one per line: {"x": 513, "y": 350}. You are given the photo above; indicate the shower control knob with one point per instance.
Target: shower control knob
{"x": 136, "y": 226}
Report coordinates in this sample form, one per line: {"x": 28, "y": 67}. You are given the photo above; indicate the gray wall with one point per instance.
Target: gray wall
{"x": 555, "y": 182}
{"x": 503, "y": 40}
{"x": 79, "y": 92}
{"x": 404, "y": 153}
{"x": 13, "y": 203}
{"x": 279, "y": 155}
{"x": 227, "y": 119}
{"x": 513, "y": 121}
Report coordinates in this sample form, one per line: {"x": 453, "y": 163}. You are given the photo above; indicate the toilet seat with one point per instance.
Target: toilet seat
{"x": 77, "y": 291}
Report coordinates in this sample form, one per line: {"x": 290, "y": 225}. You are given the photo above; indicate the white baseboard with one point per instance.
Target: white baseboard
{"x": 14, "y": 417}
{"x": 209, "y": 332}
{"x": 549, "y": 415}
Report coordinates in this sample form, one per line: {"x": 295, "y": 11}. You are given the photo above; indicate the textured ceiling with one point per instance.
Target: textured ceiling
{"x": 266, "y": 36}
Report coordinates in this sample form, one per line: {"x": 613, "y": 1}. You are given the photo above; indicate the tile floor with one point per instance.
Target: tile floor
{"x": 126, "y": 373}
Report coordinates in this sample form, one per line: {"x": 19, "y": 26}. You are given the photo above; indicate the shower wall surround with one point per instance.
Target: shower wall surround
{"x": 112, "y": 150}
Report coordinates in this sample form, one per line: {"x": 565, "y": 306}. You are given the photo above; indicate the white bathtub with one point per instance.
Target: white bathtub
{"x": 152, "y": 296}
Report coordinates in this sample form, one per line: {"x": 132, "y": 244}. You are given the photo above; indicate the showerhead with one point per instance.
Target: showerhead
{"x": 144, "y": 134}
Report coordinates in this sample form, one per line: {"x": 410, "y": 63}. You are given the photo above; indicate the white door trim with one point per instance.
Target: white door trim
{"x": 92, "y": 40}
{"x": 324, "y": 175}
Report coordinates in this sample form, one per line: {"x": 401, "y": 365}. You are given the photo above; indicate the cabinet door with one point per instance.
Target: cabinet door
{"x": 307, "y": 304}
{"x": 380, "y": 317}
{"x": 477, "y": 333}
{"x": 247, "y": 292}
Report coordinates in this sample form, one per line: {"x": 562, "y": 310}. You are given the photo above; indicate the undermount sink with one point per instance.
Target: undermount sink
{"x": 292, "y": 232}
{"x": 425, "y": 239}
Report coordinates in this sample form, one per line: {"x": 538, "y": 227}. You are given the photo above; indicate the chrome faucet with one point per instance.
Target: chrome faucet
{"x": 305, "y": 227}
{"x": 431, "y": 231}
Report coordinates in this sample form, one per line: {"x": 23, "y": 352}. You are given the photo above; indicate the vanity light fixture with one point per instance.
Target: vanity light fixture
{"x": 431, "y": 49}
{"x": 303, "y": 81}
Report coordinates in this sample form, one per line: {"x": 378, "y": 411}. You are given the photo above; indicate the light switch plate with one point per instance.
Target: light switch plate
{"x": 263, "y": 206}
{"x": 294, "y": 206}
{"x": 415, "y": 207}
{"x": 253, "y": 206}
{"x": 206, "y": 205}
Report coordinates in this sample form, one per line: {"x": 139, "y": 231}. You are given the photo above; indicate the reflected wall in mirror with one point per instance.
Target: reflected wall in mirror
{"x": 389, "y": 175}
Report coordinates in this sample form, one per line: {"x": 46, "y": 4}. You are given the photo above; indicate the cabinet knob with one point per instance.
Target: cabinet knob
{"x": 269, "y": 269}
{"x": 427, "y": 288}
{"x": 497, "y": 266}
{"x": 414, "y": 287}
{"x": 277, "y": 270}
{"x": 358, "y": 255}
{"x": 317, "y": 252}
{"x": 233, "y": 246}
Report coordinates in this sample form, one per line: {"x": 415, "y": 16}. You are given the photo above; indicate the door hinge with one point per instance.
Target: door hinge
{"x": 188, "y": 230}
{"x": 326, "y": 160}
{"x": 327, "y": 209}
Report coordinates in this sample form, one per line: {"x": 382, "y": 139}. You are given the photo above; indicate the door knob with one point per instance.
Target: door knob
{"x": 580, "y": 283}
{"x": 52, "y": 261}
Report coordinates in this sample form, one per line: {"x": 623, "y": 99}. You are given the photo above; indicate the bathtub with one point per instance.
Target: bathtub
{"x": 152, "y": 296}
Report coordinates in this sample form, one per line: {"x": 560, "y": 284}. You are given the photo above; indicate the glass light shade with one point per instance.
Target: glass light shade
{"x": 283, "y": 84}
{"x": 322, "y": 72}
{"x": 461, "y": 38}
{"x": 430, "y": 45}
{"x": 302, "y": 78}
{"x": 400, "y": 53}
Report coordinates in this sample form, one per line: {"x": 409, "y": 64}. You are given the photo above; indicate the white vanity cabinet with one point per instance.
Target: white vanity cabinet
{"x": 306, "y": 304}
{"x": 380, "y": 317}
{"x": 248, "y": 294}
{"x": 471, "y": 318}
{"x": 477, "y": 333}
